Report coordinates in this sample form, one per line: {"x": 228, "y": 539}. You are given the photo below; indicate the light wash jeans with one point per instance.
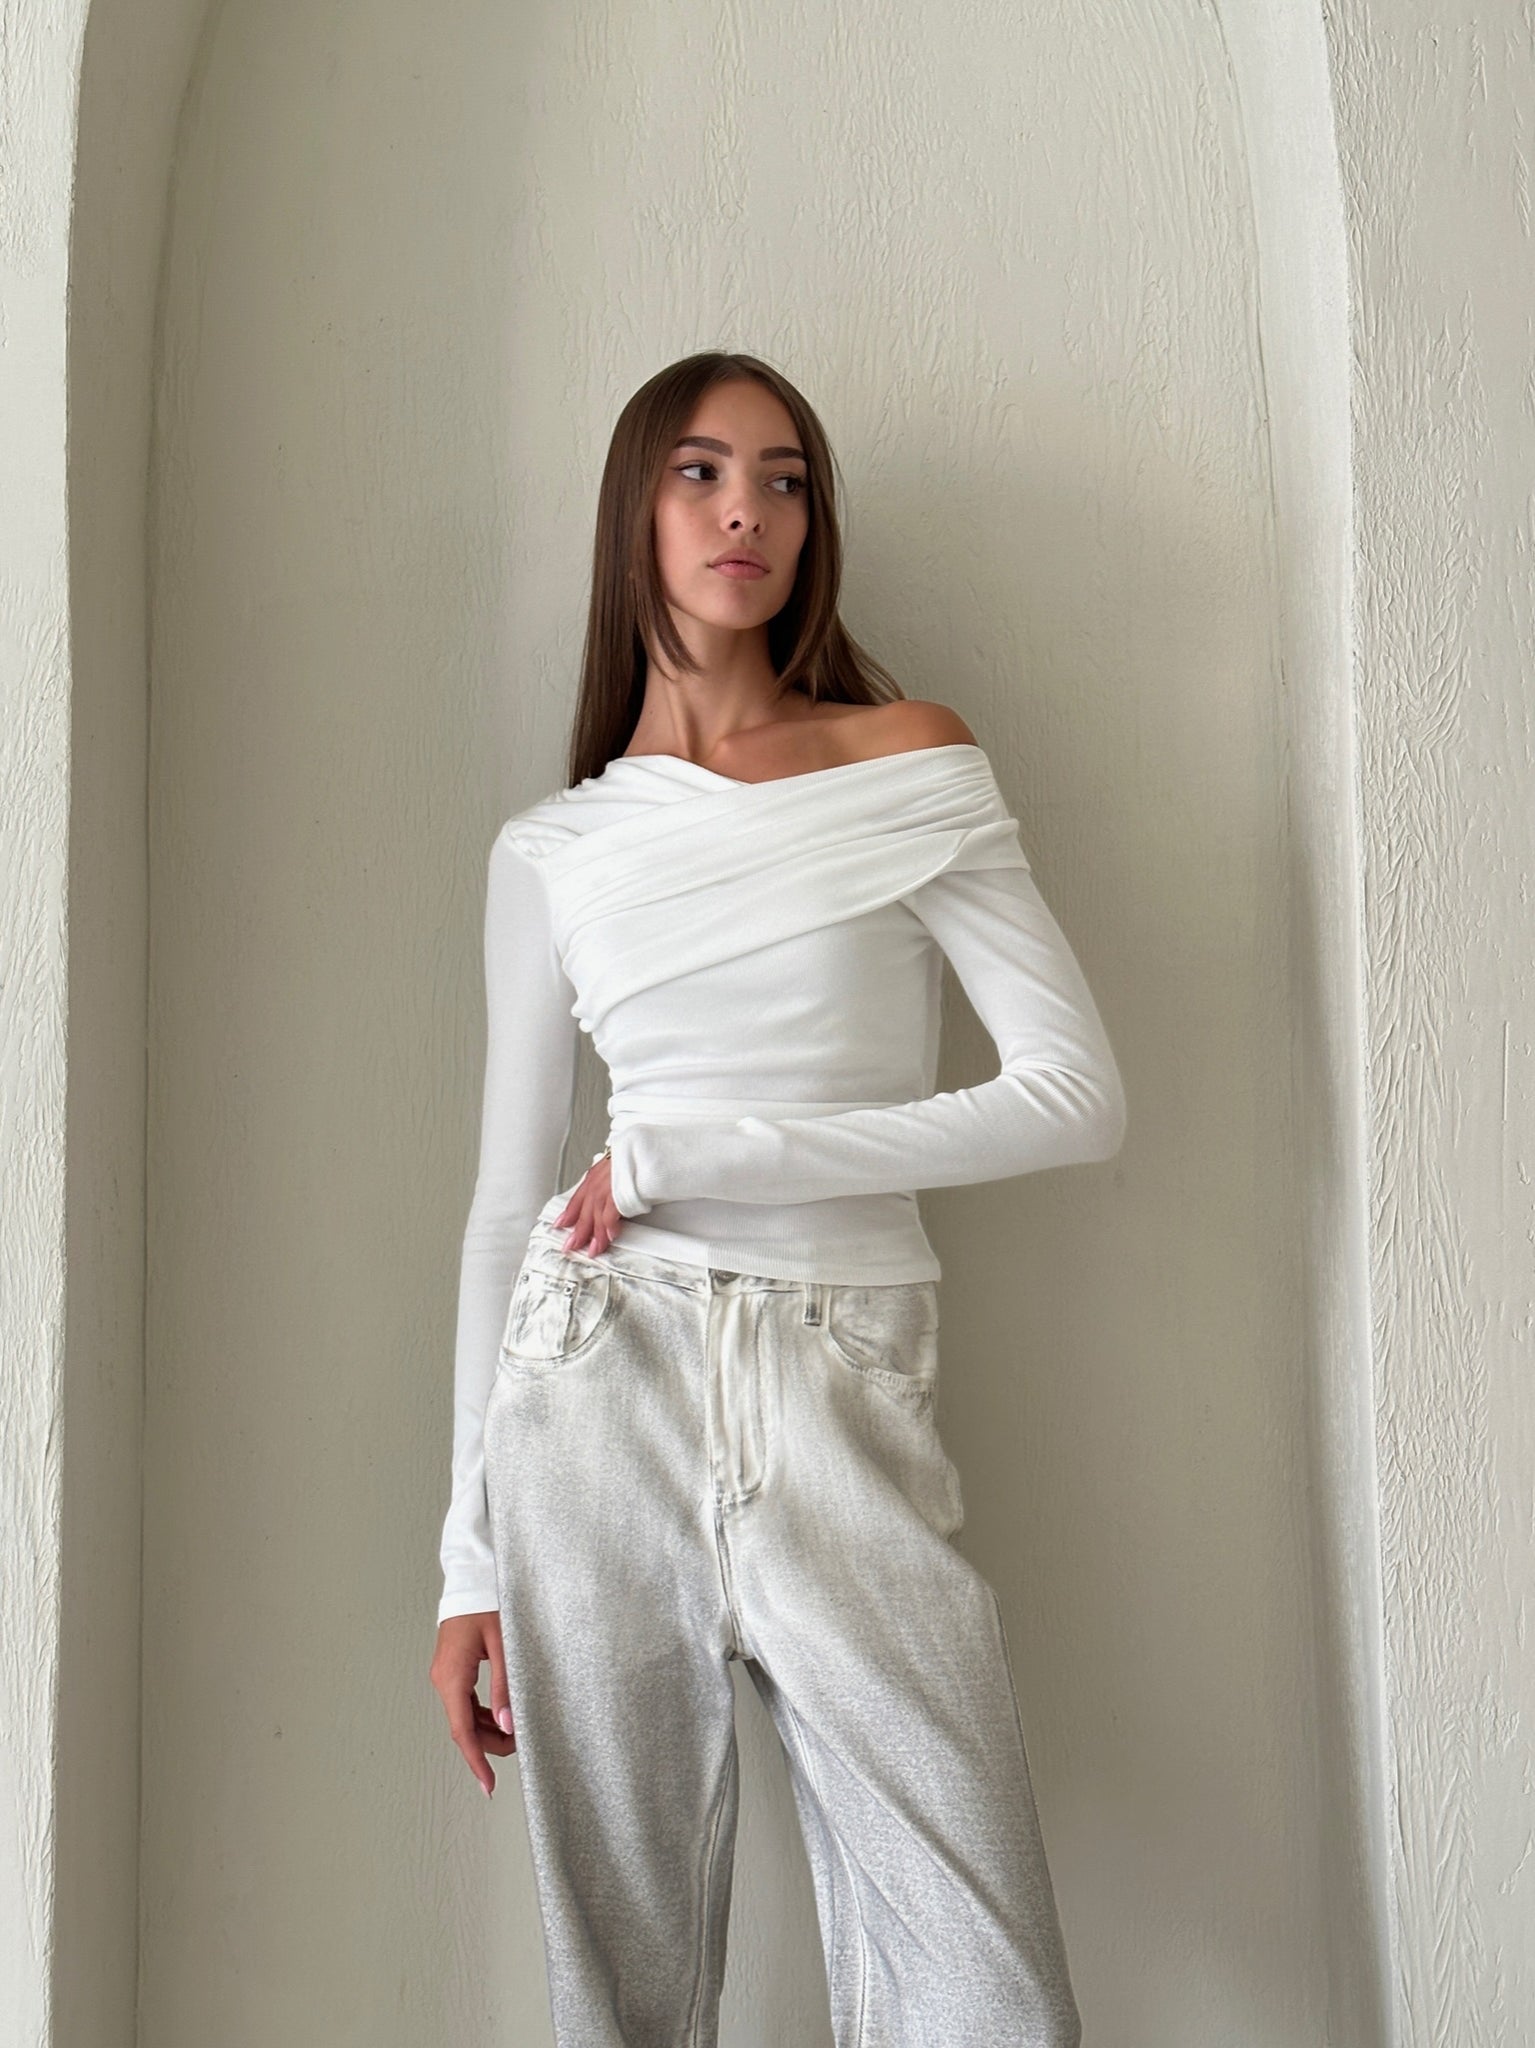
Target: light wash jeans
{"x": 685, "y": 1465}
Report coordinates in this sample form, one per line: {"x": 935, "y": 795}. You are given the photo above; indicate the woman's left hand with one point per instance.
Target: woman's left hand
{"x": 591, "y": 1214}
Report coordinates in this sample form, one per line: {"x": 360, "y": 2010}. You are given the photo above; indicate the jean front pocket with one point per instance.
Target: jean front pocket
{"x": 557, "y": 1307}
{"x": 887, "y": 1334}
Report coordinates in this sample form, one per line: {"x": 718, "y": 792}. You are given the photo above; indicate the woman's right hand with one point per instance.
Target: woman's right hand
{"x": 591, "y": 1215}
{"x": 464, "y": 1642}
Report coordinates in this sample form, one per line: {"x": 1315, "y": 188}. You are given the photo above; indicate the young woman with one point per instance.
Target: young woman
{"x": 694, "y": 1411}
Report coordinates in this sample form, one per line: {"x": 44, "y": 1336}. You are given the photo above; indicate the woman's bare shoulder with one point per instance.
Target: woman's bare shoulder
{"x": 908, "y": 723}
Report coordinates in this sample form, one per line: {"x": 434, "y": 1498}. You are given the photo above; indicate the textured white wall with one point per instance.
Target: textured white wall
{"x": 1434, "y": 105}
{"x": 38, "y": 65}
{"x": 415, "y": 267}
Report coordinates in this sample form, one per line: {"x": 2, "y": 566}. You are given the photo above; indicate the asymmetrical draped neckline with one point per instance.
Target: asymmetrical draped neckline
{"x": 659, "y": 868}
{"x": 685, "y": 761}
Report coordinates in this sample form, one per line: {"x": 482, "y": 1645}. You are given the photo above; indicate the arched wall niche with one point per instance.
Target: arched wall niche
{"x": 342, "y": 289}
{"x": 124, "y": 71}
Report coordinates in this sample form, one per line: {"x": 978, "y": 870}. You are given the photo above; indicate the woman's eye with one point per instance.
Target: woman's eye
{"x": 799, "y": 483}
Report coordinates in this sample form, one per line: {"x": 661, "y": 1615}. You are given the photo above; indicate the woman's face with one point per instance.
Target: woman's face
{"x": 735, "y": 480}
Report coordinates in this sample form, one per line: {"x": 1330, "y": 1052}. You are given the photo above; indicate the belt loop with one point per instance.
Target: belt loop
{"x": 812, "y": 1301}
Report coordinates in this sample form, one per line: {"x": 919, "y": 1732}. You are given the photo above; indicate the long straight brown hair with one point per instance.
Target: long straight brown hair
{"x": 807, "y": 642}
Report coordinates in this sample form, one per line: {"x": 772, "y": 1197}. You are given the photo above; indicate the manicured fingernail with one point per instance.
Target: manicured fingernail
{"x": 504, "y": 1720}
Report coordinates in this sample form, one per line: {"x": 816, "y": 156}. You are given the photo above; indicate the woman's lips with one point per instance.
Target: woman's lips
{"x": 741, "y": 569}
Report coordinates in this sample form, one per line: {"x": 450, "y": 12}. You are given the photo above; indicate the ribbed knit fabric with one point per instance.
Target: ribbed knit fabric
{"x": 760, "y": 967}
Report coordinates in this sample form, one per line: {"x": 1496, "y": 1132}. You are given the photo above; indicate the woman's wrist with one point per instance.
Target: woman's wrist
{"x": 626, "y": 1196}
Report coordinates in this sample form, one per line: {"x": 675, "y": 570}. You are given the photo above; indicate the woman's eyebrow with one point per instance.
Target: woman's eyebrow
{"x": 724, "y": 447}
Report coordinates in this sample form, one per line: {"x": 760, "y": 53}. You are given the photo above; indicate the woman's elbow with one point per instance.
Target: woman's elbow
{"x": 1106, "y": 1124}
{"x": 1100, "y": 1112}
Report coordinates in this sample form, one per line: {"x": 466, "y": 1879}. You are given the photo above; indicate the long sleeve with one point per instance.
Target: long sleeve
{"x": 531, "y": 1048}
{"x": 1058, "y": 1099}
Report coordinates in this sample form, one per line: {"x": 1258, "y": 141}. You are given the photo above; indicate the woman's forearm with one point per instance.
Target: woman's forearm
{"x": 1058, "y": 1100}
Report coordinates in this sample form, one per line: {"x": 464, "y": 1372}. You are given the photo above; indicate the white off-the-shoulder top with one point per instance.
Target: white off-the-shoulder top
{"x": 759, "y": 965}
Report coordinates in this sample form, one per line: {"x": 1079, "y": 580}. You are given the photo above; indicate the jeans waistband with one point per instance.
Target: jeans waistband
{"x": 623, "y": 1258}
